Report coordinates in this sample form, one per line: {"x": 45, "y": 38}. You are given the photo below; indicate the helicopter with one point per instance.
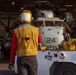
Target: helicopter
{"x": 50, "y": 24}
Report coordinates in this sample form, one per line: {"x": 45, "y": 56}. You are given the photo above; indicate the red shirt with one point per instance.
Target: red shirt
{"x": 14, "y": 46}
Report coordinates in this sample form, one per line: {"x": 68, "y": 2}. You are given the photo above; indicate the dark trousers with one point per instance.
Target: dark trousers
{"x": 27, "y": 65}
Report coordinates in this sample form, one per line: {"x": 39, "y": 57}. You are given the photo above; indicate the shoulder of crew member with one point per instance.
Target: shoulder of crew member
{"x": 74, "y": 41}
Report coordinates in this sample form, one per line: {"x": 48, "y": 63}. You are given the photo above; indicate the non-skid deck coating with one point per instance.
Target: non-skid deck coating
{"x": 5, "y": 71}
{"x": 4, "y": 68}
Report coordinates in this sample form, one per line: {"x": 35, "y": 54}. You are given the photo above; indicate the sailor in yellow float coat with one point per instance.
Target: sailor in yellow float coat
{"x": 68, "y": 43}
{"x": 25, "y": 41}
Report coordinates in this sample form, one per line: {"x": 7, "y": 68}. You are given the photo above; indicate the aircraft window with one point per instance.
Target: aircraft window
{"x": 38, "y": 23}
{"x": 59, "y": 23}
{"x": 49, "y": 23}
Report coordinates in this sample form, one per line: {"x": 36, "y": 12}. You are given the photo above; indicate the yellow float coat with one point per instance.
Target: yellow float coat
{"x": 27, "y": 40}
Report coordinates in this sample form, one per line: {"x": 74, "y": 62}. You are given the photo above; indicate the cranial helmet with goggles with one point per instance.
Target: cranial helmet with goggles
{"x": 66, "y": 35}
{"x": 26, "y": 16}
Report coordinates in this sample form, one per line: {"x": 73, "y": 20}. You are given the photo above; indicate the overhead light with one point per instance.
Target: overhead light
{"x": 13, "y": 3}
{"x": 62, "y": 9}
{"x": 68, "y": 5}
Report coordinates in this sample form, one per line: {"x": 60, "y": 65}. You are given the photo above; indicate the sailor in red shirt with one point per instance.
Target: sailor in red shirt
{"x": 25, "y": 39}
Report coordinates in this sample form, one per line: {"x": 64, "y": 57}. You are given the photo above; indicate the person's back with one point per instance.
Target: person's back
{"x": 27, "y": 36}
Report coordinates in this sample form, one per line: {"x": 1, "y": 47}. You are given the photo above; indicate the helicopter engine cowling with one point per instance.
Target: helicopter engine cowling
{"x": 44, "y": 14}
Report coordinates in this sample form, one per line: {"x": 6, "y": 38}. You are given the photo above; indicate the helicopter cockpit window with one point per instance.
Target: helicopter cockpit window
{"x": 59, "y": 23}
{"x": 49, "y": 23}
{"x": 54, "y": 23}
{"x": 38, "y": 23}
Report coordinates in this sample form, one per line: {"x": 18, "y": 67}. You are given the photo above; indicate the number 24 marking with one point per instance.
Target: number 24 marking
{"x": 49, "y": 40}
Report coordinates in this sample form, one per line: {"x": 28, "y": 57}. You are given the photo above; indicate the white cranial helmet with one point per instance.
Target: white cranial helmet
{"x": 26, "y": 16}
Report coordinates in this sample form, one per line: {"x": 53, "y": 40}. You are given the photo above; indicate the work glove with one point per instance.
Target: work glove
{"x": 40, "y": 47}
{"x": 10, "y": 66}
{"x": 43, "y": 48}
